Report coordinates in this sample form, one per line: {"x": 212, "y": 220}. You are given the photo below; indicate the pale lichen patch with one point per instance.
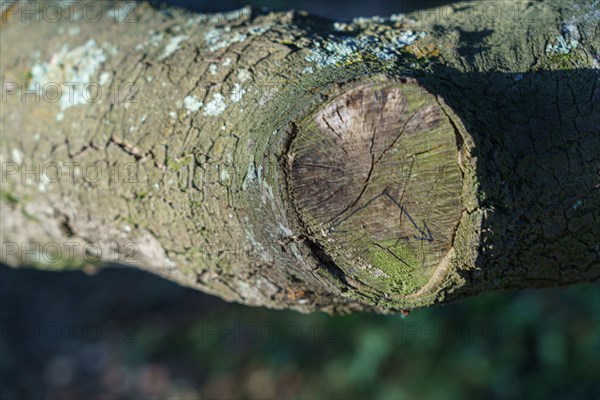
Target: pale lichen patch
{"x": 75, "y": 67}
{"x": 368, "y": 20}
{"x": 244, "y": 75}
{"x": 341, "y": 26}
{"x": 346, "y": 50}
{"x": 219, "y": 38}
{"x": 251, "y": 175}
{"x": 216, "y": 106}
{"x": 259, "y": 29}
{"x": 172, "y": 46}
{"x": 16, "y": 155}
{"x": 155, "y": 38}
{"x": 104, "y": 77}
{"x": 589, "y": 12}
{"x": 74, "y": 30}
{"x": 563, "y": 44}
{"x": 192, "y": 104}
{"x": 287, "y": 232}
{"x": 230, "y": 15}
{"x": 223, "y": 174}
{"x": 398, "y": 17}
{"x": 237, "y": 92}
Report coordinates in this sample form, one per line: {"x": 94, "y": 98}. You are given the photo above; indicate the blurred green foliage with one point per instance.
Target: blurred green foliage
{"x": 158, "y": 341}
{"x": 533, "y": 344}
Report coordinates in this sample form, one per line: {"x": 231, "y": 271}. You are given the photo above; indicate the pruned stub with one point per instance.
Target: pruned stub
{"x": 376, "y": 182}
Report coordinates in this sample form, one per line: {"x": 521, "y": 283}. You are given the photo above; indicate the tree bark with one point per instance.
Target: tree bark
{"x": 290, "y": 161}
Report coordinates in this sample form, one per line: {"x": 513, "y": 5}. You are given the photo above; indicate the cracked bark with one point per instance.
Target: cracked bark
{"x": 273, "y": 160}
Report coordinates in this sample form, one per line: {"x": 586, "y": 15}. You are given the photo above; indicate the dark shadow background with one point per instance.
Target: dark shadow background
{"x": 123, "y": 333}
{"x": 335, "y": 9}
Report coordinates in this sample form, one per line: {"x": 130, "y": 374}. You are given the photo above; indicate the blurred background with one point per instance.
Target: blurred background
{"x": 335, "y": 9}
{"x": 123, "y": 333}
{"x": 127, "y": 334}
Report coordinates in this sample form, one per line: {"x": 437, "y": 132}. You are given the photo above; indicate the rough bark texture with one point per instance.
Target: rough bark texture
{"x": 289, "y": 161}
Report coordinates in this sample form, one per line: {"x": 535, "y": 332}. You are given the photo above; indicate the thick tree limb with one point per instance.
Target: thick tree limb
{"x": 289, "y": 161}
